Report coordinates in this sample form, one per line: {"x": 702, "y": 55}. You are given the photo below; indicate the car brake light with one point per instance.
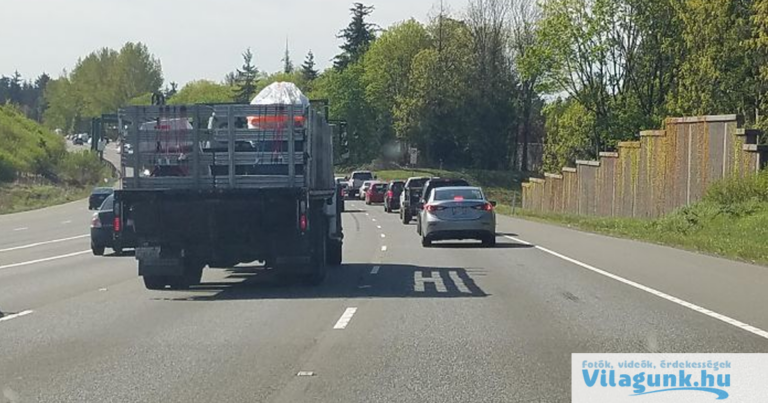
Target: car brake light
{"x": 458, "y": 198}
{"x": 95, "y": 221}
{"x": 484, "y": 207}
{"x": 390, "y": 194}
{"x": 117, "y": 224}
{"x": 303, "y": 222}
{"x": 432, "y": 208}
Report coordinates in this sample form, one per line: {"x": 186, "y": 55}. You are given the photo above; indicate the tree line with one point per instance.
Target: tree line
{"x": 474, "y": 88}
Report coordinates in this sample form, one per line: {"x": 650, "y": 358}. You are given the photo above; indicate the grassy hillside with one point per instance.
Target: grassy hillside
{"x": 30, "y": 151}
{"x": 26, "y": 146}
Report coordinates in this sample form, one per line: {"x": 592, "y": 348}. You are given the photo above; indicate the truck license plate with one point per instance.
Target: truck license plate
{"x": 150, "y": 253}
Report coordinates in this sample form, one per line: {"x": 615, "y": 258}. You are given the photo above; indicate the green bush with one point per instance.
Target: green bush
{"x": 735, "y": 190}
{"x": 26, "y": 146}
{"x": 82, "y": 169}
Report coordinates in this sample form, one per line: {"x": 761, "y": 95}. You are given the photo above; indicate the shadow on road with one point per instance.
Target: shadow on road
{"x": 478, "y": 245}
{"x": 354, "y": 211}
{"x": 347, "y": 281}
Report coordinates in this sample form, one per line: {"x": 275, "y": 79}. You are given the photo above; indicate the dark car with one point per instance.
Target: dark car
{"x": 78, "y": 141}
{"x": 103, "y": 230}
{"x": 375, "y": 193}
{"x": 433, "y": 184}
{"x": 392, "y": 197}
{"x": 98, "y": 195}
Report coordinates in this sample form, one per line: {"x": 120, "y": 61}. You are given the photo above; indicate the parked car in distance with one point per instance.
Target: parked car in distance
{"x": 392, "y": 197}
{"x": 410, "y": 197}
{"x": 375, "y": 193}
{"x": 97, "y": 197}
{"x": 78, "y": 141}
{"x": 103, "y": 230}
{"x": 457, "y": 213}
{"x": 364, "y": 188}
{"x": 356, "y": 182}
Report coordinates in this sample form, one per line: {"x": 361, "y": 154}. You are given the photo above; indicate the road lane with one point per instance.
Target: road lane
{"x": 456, "y": 322}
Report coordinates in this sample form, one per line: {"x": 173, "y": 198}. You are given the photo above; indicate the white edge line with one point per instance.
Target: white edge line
{"x": 16, "y": 315}
{"x": 47, "y": 259}
{"x": 375, "y": 269}
{"x": 32, "y": 245}
{"x": 345, "y": 318}
{"x": 21, "y": 229}
{"x": 741, "y": 325}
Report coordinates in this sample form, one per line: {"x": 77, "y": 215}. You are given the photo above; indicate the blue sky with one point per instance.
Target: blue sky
{"x": 194, "y": 38}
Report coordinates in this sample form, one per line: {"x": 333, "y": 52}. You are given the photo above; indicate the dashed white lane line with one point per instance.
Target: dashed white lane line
{"x": 16, "y": 315}
{"x": 21, "y": 229}
{"x": 32, "y": 245}
{"x": 374, "y": 220}
{"x": 384, "y": 248}
{"x": 741, "y": 325}
{"x": 375, "y": 269}
{"x": 345, "y": 318}
{"x": 378, "y": 226}
{"x": 48, "y": 259}
{"x": 67, "y": 222}
{"x": 383, "y": 235}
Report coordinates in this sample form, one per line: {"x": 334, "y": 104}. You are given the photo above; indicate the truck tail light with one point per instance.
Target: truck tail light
{"x": 117, "y": 224}
{"x": 303, "y": 222}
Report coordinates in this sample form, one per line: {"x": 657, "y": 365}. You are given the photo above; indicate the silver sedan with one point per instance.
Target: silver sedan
{"x": 457, "y": 213}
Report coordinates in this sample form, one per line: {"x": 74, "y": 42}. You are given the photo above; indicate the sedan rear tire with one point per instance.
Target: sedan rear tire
{"x": 489, "y": 241}
{"x": 97, "y": 250}
{"x": 426, "y": 242}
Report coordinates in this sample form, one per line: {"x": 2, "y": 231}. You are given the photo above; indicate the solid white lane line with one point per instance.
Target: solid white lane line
{"x": 21, "y": 229}
{"x": 375, "y": 269}
{"x": 345, "y": 318}
{"x": 32, "y": 245}
{"x": 14, "y": 316}
{"x": 741, "y": 325}
{"x": 384, "y": 248}
{"x": 48, "y": 259}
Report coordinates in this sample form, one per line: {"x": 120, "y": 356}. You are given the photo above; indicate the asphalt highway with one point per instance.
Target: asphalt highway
{"x": 396, "y": 323}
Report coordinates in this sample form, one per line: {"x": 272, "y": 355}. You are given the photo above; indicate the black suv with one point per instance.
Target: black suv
{"x": 409, "y": 198}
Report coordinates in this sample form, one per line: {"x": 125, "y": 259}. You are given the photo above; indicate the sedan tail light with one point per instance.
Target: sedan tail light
{"x": 432, "y": 208}
{"x": 485, "y": 207}
{"x": 95, "y": 221}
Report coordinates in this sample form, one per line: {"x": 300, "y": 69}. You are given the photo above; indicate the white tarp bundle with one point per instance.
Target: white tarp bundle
{"x": 281, "y": 93}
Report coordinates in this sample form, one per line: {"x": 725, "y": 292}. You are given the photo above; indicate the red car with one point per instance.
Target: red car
{"x": 375, "y": 193}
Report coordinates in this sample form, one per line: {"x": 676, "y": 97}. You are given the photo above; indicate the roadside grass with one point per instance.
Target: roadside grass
{"x": 16, "y": 198}
{"x": 731, "y": 221}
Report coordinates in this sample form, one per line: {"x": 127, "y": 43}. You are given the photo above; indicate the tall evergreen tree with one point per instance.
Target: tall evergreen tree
{"x": 358, "y": 36}
{"x": 308, "y": 70}
{"x": 246, "y": 79}
{"x": 287, "y": 62}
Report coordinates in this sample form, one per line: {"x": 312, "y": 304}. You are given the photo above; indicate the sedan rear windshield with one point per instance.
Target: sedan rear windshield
{"x": 380, "y": 187}
{"x": 362, "y": 176}
{"x": 458, "y": 194}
